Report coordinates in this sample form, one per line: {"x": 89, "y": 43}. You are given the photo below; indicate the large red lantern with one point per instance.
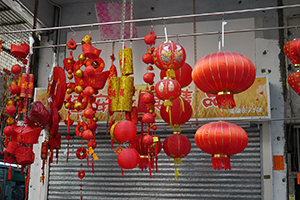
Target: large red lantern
{"x": 224, "y": 74}
{"x": 169, "y": 55}
{"x": 128, "y": 159}
{"x": 167, "y": 89}
{"x": 183, "y": 75}
{"x": 177, "y": 146}
{"x": 221, "y": 140}
{"x": 294, "y": 81}
{"x": 125, "y": 131}
{"x": 292, "y": 51}
{"x": 179, "y": 113}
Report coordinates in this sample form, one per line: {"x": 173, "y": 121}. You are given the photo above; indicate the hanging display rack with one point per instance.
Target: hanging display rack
{"x": 166, "y": 18}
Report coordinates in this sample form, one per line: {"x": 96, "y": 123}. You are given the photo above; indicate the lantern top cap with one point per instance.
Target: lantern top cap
{"x": 169, "y": 41}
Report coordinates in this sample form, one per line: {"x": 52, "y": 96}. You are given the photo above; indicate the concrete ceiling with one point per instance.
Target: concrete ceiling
{"x": 67, "y": 2}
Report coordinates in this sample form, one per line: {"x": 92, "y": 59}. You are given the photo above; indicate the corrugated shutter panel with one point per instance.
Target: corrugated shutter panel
{"x": 197, "y": 179}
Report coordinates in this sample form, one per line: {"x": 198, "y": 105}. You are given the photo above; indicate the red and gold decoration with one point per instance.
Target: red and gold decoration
{"x": 167, "y": 90}
{"x": 221, "y": 140}
{"x": 224, "y": 74}
{"x": 292, "y": 51}
{"x": 294, "y": 81}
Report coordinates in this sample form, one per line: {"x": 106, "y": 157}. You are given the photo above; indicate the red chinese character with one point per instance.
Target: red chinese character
{"x": 158, "y": 103}
{"x": 187, "y": 95}
{"x": 102, "y": 102}
{"x": 209, "y": 101}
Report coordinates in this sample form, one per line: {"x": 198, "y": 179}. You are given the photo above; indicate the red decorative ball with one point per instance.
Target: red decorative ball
{"x": 92, "y": 144}
{"x": 177, "y": 146}
{"x": 88, "y": 91}
{"x": 142, "y": 148}
{"x": 149, "y": 39}
{"x": 154, "y": 127}
{"x": 16, "y": 69}
{"x": 8, "y": 131}
{"x": 92, "y": 125}
{"x": 147, "y": 118}
{"x": 169, "y": 55}
{"x": 88, "y": 134}
{"x": 167, "y": 89}
{"x": 68, "y": 137}
{"x": 89, "y": 113}
{"x": 149, "y": 78}
{"x": 14, "y": 89}
{"x": 148, "y": 98}
{"x": 89, "y": 70}
{"x": 125, "y": 131}
{"x": 11, "y": 109}
{"x": 147, "y": 140}
{"x": 128, "y": 158}
{"x": 24, "y": 61}
{"x": 180, "y": 112}
{"x": 147, "y": 58}
{"x": 183, "y": 75}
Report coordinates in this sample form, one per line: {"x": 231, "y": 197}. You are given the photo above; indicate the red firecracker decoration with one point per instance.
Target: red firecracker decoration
{"x": 294, "y": 81}
{"x": 169, "y": 55}
{"x": 292, "y": 51}
{"x": 128, "y": 159}
{"x": 167, "y": 89}
{"x": 221, "y": 140}
{"x": 224, "y": 74}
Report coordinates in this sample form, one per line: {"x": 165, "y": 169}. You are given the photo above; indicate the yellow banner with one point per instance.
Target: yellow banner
{"x": 252, "y": 103}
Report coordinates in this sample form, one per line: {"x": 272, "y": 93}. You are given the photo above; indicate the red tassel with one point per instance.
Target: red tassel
{"x": 221, "y": 163}
{"x": 9, "y": 173}
{"x": 93, "y": 166}
{"x": 5, "y": 156}
{"x": 156, "y": 158}
{"x": 149, "y": 166}
{"x": 87, "y": 160}
{"x": 111, "y": 144}
{"x": 225, "y": 101}
{"x": 122, "y": 172}
{"x": 22, "y": 169}
{"x": 68, "y": 153}
{"x": 57, "y": 151}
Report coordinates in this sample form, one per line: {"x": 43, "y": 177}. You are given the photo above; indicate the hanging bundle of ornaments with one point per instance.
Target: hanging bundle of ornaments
{"x": 87, "y": 83}
{"x": 21, "y": 134}
{"x": 292, "y": 51}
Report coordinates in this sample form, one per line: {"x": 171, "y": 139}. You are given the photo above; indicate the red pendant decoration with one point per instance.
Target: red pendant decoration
{"x": 294, "y": 81}
{"x": 292, "y": 51}
{"x": 183, "y": 75}
{"x": 221, "y": 140}
{"x": 169, "y": 56}
{"x": 224, "y": 74}
{"x": 167, "y": 89}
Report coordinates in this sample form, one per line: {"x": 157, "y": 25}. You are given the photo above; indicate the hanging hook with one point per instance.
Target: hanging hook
{"x": 223, "y": 30}
{"x": 74, "y": 32}
{"x": 151, "y": 23}
{"x": 294, "y": 32}
{"x": 165, "y": 30}
{"x": 219, "y": 41}
{"x": 177, "y": 38}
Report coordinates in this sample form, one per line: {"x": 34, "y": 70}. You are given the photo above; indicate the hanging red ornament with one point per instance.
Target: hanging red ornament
{"x": 150, "y": 39}
{"x": 92, "y": 125}
{"x": 183, "y": 75}
{"x": 169, "y": 55}
{"x": 147, "y": 140}
{"x": 21, "y": 50}
{"x": 149, "y": 78}
{"x": 89, "y": 70}
{"x": 89, "y": 113}
{"x": 14, "y": 89}
{"x": 11, "y": 109}
{"x": 81, "y": 153}
{"x": 125, "y": 131}
{"x": 87, "y": 134}
{"x": 147, "y": 58}
{"x": 92, "y": 144}
{"x": 71, "y": 44}
{"x": 81, "y": 174}
{"x": 292, "y": 51}
{"x": 147, "y": 98}
{"x": 39, "y": 114}
{"x": 8, "y": 131}
{"x": 224, "y": 74}
{"x": 148, "y": 118}
{"x": 294, "y": 81}
{"x": 16, "y": 69}
{"x": 89, "y": 91}
{"x": 221, "y": 140}
{"x": 128, "y": 158}
{"x": 179, "y": 113}
{"x": 25, "y": 156}
{"x": 167, "y": 90}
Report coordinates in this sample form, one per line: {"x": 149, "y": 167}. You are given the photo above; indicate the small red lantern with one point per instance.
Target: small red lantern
{"x": 16, "y": 69}
{"x": 183, "y": 75}
{"x": 292, "y": 51}
{"x": 147, "y": 118}
{"x": 149, "y": 78}
{"x": 169, "y": 55}
{"x": 89, "y": 113}
{"x": 87, "y": 134}
{"x": 167, "y": 90}
{"x": 294, "y": 81}
{"x": 21, "y": 50}
{"x": 11, "y": 109}
{"x": 125, "y": 131}
{"x": 92, "y": 144}
{"x": 147, "y": 58}
{"x": 8, "y": 131}
{"x": 89, "y": 91}
{"x": 147, "y": 98}
{"x": 180, "y": 112}
{"x": 14, "y": 89}
{"x": 221, "y": 140}
{"x": 224, "y": 74}
{"x": 25, "y": 156}
{"x": 128, "y": 159}
{"x": 177, "y": 146}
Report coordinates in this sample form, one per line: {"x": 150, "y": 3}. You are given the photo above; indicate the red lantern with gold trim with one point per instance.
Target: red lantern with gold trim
{"x": 169, "y": 56}
{"x": 167, "y": 89}
{"x": 221, "y": 140}
{"x": 294, "y": 81}
{"x": 292, "y": 51}
{"x": 224, "y": 74}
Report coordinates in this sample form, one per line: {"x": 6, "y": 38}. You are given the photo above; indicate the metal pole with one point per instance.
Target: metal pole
{"x": 179, "y": 35}
{"x": 156, "y": 19}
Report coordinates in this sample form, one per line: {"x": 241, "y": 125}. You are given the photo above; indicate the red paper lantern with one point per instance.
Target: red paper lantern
{"x": 292, "y": 51}
{"x": 142, "y": 147}
{"x": 294, "y": 81}
{"x": 224, "y": 74}
{"x": 16, "y": 69}
{"x": 221, "y": 140}
{"x": 180, "y": 112}
{"x": 169, "y": 55}
{"x": 128, "y": 158}
{"x": 177, "y": 146}
{"x": 87, "y": 134}
{"x": 125, "y": 131}
{"x": 25, "y": 156}
{"x": 167, "y": 90}
{"x": 183, "y": 75}
{"x": 21, "y": 50}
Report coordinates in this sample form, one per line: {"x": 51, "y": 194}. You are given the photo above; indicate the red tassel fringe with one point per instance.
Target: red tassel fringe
{"x": 93, "y": 166}
{"x": 9, "y": 173}
{"x": 221, "y": 163}
{"x": 225, "y": 101}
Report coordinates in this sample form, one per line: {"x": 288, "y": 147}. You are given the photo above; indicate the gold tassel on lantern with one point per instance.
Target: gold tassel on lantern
{"x": 126, "y": 93}
{"x": 127, "y": 66}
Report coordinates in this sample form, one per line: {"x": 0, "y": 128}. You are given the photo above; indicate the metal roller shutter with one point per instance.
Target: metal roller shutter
{"x": 197, "y": 179}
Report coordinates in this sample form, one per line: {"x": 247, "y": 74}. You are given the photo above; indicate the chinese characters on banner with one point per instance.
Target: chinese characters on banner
{"x": 253, "y": 103}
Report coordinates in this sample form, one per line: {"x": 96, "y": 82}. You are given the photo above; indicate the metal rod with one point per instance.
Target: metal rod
{"x": 156, "y": 19}
{"x": 179, "y": 35}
